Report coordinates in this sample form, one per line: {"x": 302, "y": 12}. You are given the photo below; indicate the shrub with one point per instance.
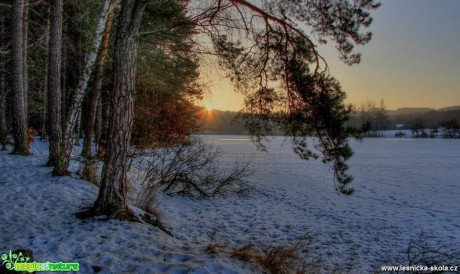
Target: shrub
{"x": 451, "y": 129}
{"x": 31, "y": 133}
{"x": 191, "y": 169}
{"x": 421, "y": 252}
{"x": 293, "y": 258}
{"x": 424, "y": 250}
{"x": 275, "y": 259}
{"x": 400, "y": 134}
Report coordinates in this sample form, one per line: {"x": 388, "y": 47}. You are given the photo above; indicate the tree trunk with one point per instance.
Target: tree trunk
{"x": 78, "y": 129}
{"x": 112, "y": 193}
{"x": 98, "y": 123}
{"x": 25, "y": 44}
{"x": 54, "y": 81}
{"x": 3, "y": 125}
{"x": 66, "y": 145}
{"x": 3, "y": 121}
{"x": 17, "y": 87}
{"x": 96, "y": 91}
{"x": 45, "y": 90}
{"x": 102, "y": 124}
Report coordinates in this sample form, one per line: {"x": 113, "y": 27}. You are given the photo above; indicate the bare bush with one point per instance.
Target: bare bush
{"x": 425, "y": 251}
{"x": 296, "y": 257}
{"x": 421, "y": 252}
{"x": 193, "y": 169}
{"x": 278, "y": 259}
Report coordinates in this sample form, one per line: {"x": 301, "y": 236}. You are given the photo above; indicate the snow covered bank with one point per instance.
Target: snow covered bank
{"x": 38, "y": 213}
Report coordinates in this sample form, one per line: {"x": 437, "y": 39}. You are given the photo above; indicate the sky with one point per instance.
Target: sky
{"x": 413, "y": 59}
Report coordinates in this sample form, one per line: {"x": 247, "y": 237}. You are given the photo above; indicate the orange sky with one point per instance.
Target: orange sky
{"x": 412, "y": 61}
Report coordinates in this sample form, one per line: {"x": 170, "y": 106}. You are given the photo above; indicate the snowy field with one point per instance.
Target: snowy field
{"x": 404, "y": 188}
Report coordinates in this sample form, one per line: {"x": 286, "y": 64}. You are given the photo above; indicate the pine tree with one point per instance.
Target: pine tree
{"x": 17, "y": 89}
{"x": 54, "y": 81}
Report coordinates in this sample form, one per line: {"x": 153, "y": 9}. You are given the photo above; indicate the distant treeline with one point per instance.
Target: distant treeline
{"x": 369, "y": 118}
{"x": 221, "y": 122}
{"x": 430, "y": 118}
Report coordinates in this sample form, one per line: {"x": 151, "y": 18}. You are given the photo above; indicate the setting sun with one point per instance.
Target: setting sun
{"x": 208, "y": 107}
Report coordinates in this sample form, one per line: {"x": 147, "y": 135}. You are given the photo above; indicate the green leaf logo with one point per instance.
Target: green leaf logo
{"x": 11, "y": 258}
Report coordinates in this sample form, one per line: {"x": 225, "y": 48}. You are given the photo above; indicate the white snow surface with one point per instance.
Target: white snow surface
{"x": 404, "y": 188}
{"x": 38, "y": 213}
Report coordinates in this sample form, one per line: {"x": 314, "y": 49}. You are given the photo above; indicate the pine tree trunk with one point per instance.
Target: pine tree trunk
{"x": 102, "y": 123}
{"x": 98, "y": 123}
{"x": 66, "y": 145}
{"x": 17, "y": 88}
{"x": 45, "y": 90}
{"x": 96, "y": 91}
{"x": 112, "y": 192}
{"x": 3, "y": 125}
{"x": 54, "y": 81}
{"x": 25, "y": 44}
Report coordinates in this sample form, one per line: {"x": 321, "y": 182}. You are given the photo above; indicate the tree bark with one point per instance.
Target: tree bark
{"x": 17, "y": 87}
{"x": 3, "y": 125}
{"x": 112, "y": 192}
{"x": 54, "y": 81}
{"x": 65, "y": 152}
{"x": 78, "y": 128}
{"x": 45, "y": 90}
{"x": 3, "y": 121}
{"x": 96, "y": 91}
{"x": 98, "y": 123}
{"x": 25, "y": 44}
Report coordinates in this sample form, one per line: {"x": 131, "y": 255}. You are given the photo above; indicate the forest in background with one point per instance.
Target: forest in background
{"x": 227, "y": 123}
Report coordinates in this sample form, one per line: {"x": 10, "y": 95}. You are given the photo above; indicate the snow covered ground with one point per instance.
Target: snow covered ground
{"x": 404, "y": 187}
{"x": 38, "y": 213}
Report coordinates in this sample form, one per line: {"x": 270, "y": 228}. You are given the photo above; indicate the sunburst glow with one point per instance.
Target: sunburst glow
{"x": 208, "y": 106}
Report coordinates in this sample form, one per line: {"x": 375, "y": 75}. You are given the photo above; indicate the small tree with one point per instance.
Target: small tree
{"x": 418, "y": 129}
{"x": 381, "y": 119}
{"x": 451, "y": 129}
{"x": 369, "y": 119}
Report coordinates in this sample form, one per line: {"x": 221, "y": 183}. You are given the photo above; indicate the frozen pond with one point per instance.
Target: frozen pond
{"x": 404, "y": 188}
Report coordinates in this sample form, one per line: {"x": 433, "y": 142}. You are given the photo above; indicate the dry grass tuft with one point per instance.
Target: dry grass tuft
{"x": 211, "y": 249}
{"x": 274, "y": 259}
{"x": 282, "y": 260}
{"x": 156, "y": 220}
{"x": 246, "y": 253}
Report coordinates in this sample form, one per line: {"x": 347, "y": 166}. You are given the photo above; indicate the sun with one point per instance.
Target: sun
{"x": 208, "y": 106}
